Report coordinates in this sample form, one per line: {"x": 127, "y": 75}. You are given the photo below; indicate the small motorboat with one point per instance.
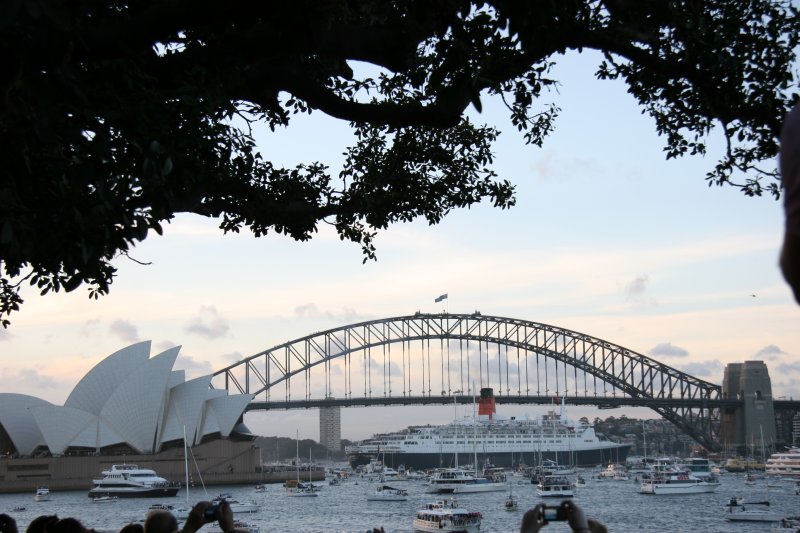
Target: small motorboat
{"x": 104, "y": 499}
{"x": 236, "y": 505}
{"x": 260, "y": 488}
{"x": 738, "y": 510}
{"x": 297, "y": 489}
{"x": 18, "y": 508}
{"x": 180, "y": 513}
{"x": 385, "y": 493}
{"x": 251, "y": 528}
{"x": 42, "y": 494}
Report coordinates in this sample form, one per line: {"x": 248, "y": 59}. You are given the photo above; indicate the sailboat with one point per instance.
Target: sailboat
{"x": 511, "y": 502}
{"x": 294, "y": 487}
{"x": 180, "y": 513}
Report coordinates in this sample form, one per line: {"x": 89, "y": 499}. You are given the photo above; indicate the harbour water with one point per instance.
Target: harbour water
{"x": 345, "y": 508}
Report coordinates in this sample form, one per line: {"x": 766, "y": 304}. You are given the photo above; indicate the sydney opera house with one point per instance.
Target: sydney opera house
{"x": 129, "y": 407}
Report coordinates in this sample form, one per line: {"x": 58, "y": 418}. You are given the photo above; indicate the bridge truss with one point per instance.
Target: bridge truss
{"x": 436, "y": 358}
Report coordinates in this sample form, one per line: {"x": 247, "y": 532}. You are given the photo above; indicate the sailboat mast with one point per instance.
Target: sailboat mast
{"x": 644, "y": 441}
{"x": 297, "y": 454}
{"x": 186, "y": 463}
{"x": 474, "y": 431}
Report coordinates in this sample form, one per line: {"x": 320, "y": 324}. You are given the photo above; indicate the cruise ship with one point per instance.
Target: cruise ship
{"x": 786, "y": 464}
{"x": 503, "y": 443}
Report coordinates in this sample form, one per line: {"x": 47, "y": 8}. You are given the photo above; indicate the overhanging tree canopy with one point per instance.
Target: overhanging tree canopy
{"x": 115, "y": 116}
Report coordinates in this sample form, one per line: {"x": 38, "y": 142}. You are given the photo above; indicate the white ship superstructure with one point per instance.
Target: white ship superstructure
{"x": 501, "y": 442}
{"x": 785, "y": 464}
{"x": 130, "y": 481}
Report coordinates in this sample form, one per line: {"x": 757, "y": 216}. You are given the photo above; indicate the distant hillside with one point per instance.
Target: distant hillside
{"x": 283, "y": 449}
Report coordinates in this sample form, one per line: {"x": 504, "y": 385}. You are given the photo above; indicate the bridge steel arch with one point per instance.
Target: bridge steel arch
{"x": 523, "y": 348}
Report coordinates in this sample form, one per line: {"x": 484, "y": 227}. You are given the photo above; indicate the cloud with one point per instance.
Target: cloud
{"x": 770, "y": 351}
{"x": 193, "y": 367}
{"x": 710, "y": 369}
{"x": 635, "y": 292}
{"x": 310, "y": 310}
{"x": 209, "y": 324}
{"x": 666, "y": 349}
{"x": 89, "y": 324}
{"x": 163, "y": 346}
{"x": 233, "y": 357}
{"x": 124, "y": 330}
{"x": 550, "y": 166}
{"x": 788, "y": 368}
{"x": 29, "y": 379}
{"x": 636, "y": 288}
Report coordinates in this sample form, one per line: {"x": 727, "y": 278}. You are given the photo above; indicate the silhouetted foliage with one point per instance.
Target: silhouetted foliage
{"x": 115, "y": 116}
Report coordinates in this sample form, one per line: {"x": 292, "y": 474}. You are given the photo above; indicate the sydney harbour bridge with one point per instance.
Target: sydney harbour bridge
{"x": 445, "y": 358}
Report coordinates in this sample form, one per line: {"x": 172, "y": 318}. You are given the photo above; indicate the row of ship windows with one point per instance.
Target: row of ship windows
{"x": 493, "y": 441}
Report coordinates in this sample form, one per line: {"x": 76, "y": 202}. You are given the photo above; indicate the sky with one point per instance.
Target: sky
{"x": 607, "y": 238}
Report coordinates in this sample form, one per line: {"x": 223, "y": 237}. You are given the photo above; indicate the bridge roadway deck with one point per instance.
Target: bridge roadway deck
{"x": 607, "y": 402}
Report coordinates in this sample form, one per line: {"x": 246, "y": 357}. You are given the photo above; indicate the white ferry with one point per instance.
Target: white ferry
{"x": 501, "y": 442}
{"x": 130, "y": 481}
{"x": 446, "y": 516}
{"x": 555, "y": 487}
{"x": 786, "y": 464}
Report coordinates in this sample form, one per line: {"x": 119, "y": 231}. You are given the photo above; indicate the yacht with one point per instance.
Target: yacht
{"x": 389, "y": 474}
{"x": 666, "y": 479}
{"x": 698, "y": 466}
{"x": 459, "y": 481}
{"x": 551, "y": 468}
{"x": 446, "y": 516}
{"x": 785, "y": 464}
{"x": 615, "y": 471}
{"x": 131, "y": 481}
{"x": 555, "y": 487}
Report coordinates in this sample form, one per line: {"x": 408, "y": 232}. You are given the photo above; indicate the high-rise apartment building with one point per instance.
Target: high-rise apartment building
{"x": 330, "y": 428}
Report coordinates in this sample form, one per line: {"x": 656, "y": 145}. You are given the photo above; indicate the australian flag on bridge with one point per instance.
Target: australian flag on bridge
{"x": 440, "y": 298}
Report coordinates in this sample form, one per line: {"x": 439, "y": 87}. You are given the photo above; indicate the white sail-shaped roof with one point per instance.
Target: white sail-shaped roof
{"x": 134, "y": 409}
{"x": 185, "y": 409}
{"x": 93, "y": 391}
{"x": 176, "y": 378}
{"x": 16, "y": 418}
{"x": 60, "y": 425}
{"x": 227, "y": 411}
{"x": 128, "y": 398}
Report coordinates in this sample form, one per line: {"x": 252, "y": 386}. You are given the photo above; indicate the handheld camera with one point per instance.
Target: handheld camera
{"x": 211, "y": 512}
{"x": 554, "y": 513}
